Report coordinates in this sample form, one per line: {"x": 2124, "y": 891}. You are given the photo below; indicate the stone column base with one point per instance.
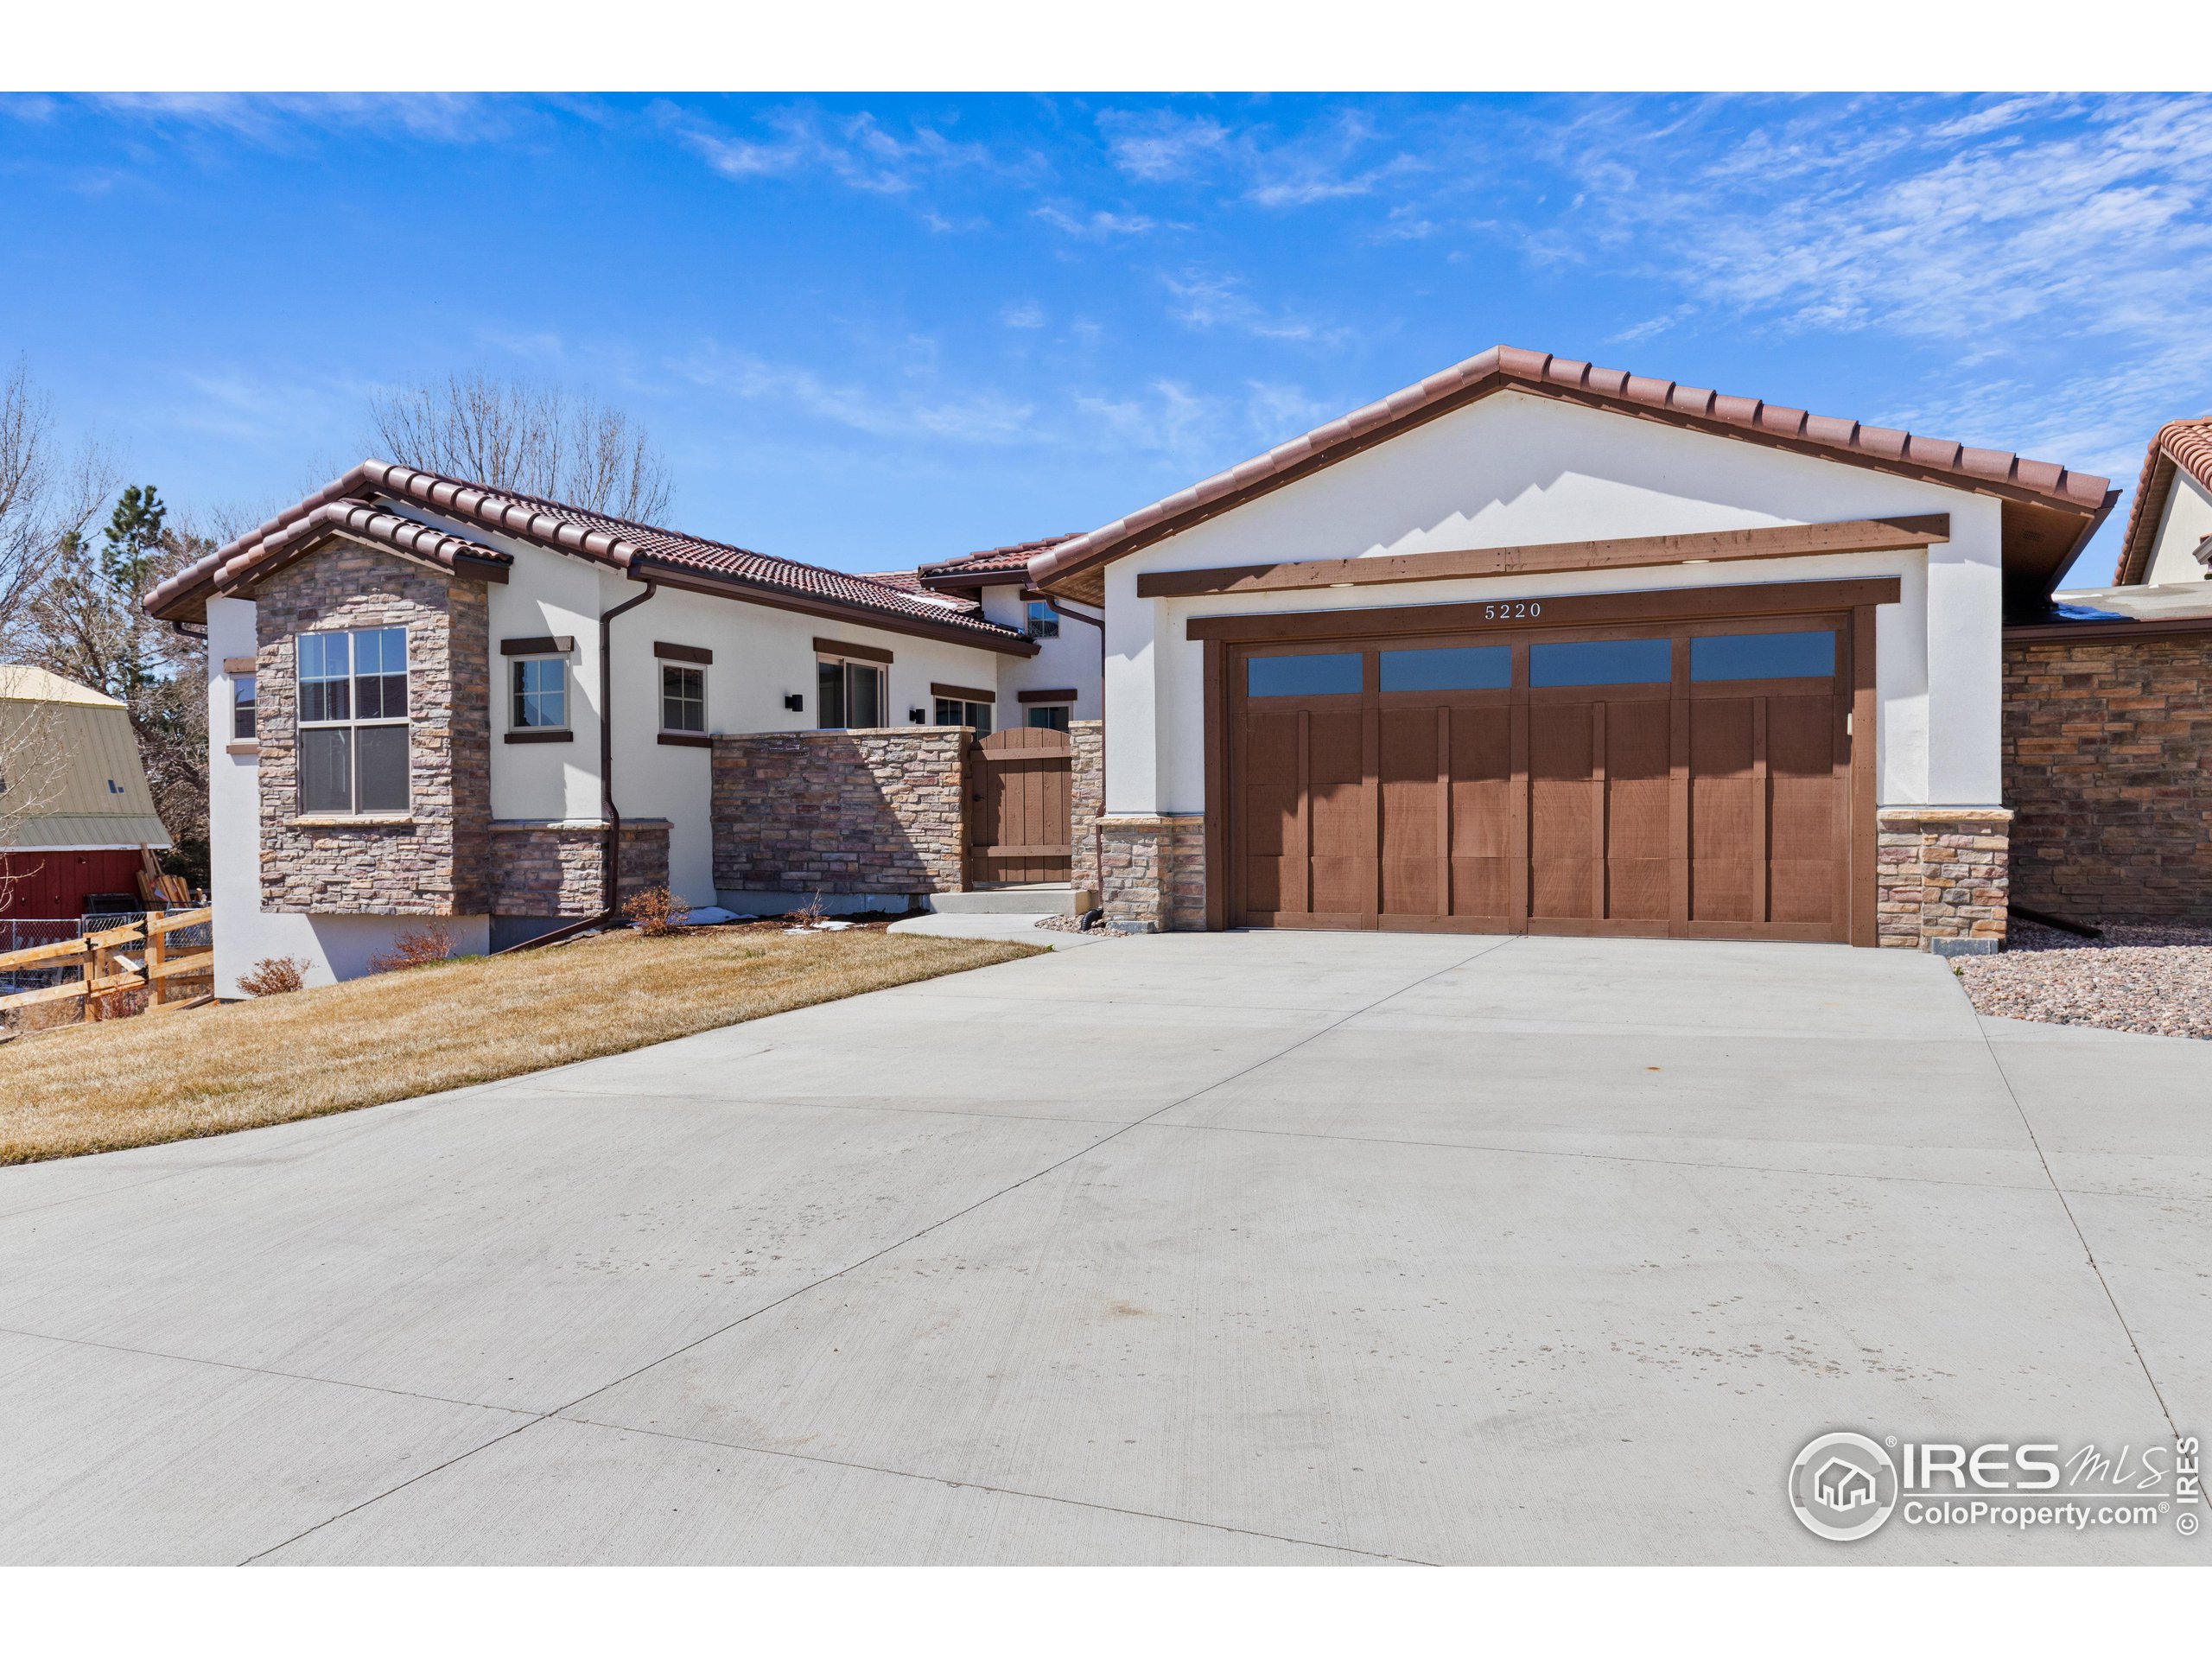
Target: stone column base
{"x": 1155, "y": 876}
{"x": 1942, "y": 879}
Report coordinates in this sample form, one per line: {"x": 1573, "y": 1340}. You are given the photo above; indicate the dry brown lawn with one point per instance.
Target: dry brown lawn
{"x": 137, "y": 1082}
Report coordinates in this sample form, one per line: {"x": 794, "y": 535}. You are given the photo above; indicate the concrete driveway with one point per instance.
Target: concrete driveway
{"x": 1213, "y": 1248}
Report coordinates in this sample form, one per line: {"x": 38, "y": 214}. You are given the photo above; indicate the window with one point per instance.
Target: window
{"x": 848, "y": 695}
{"x": 353, "y": 741}
{"x": 1449, "y": 668}
{"x": 1603, "y": 662}
{"x": 1326, "y": 675}
{"x": 952, "y": 711}
{"x": 1044, "y": 620}
{"x": 242, "y": 708}
{"x": 1049, "y": 716}
{"x": 1793, "y": 656}
{"x": 682, "y": 698}
{"x": 541, "y": 694}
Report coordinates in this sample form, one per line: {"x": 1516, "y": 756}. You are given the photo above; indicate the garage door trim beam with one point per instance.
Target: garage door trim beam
{"x": 1625, "y": 553}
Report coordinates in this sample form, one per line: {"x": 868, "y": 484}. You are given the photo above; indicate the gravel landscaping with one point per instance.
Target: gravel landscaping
{"x": 2154, "y": 981}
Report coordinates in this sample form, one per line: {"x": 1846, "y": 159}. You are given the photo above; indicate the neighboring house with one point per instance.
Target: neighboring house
{"x": 409, "y": 678}
{"x": 75, "y": 808}
{"x": 2108, "y": 726}
{"x": 1538, "y": 646}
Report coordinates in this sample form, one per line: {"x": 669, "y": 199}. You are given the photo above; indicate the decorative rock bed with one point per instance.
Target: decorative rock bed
{"x": 2153, "y": 980}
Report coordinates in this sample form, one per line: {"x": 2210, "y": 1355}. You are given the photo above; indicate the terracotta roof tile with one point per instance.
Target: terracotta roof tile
{"x": 1013, "y": 557}
{"x": 1504, "y": 367}
{"x": 564, "y": 528}
{"x": 2182, "y": 445}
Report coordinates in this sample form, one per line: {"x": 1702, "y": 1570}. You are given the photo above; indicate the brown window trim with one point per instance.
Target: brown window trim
{"x": 541, "y": 734}
{"x": 1560, "y": 610}
{"x": 1067, "y": 696}
{"x": 1782, "y": 541}
{"x": 539, "y": 645}
{"x": 687, "y": 740}
{"x": 858, "y": 653}
{"x": 671, "y": 653}
{"x": 963, "y": 693}
{"x": 241, "y": 665}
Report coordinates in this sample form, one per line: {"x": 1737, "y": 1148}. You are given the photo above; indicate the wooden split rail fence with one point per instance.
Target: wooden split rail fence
{"x": 105, "y": 972}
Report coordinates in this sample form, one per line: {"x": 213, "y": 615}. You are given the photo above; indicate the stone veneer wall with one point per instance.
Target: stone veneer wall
{"x": 1940, "y": 878}
{"x": 543, "y": 869}
{"x": 2108, "y": 768}
{"x": 878, "y": 811}
{"x": 432, "y": 860}
{"x": 1155, "y": 875}
{"x": 1086, "y": 799}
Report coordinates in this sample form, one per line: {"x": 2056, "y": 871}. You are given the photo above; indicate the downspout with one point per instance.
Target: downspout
{"x": 1097, "y": 833}
{"x": 611, "y": 855}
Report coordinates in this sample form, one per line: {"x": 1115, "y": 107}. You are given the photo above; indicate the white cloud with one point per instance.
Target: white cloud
{"x": 913, "y": 410}
{"x": 856, "y": 149}
{"x": 1209, "y": 299}
{"x": 1097, "y": 227}
{"x": 1157, "y": 144}
{"x": 272, "y": 118}
{"x": 1028, "y": 314}
{"x": 1279, "y": 412}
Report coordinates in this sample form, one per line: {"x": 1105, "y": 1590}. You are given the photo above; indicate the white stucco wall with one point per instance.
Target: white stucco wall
{"x": 1067, "y": 661}
{"x": 1516, "y": 469}
{"x": 2185, "y": 523}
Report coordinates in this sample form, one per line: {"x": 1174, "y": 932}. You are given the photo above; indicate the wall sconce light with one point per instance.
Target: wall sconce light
{"x": 794, "y": 702}
{"x": 917, "y": 717}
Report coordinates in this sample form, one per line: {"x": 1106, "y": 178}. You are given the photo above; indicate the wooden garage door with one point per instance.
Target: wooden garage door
{"x": 1692, "y": 781}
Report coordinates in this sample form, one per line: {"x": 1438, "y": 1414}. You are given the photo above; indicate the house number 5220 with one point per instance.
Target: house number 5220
{"x": 1513, "y": 609}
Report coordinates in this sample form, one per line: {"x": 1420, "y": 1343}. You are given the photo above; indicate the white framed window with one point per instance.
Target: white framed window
{"x": 849, "y": 694}
{"x": 1050, "y": 716}
{"x": 540, "y": 694}
{"x": 682, "y": 698}
{"x": 955, "y": 711}
{"x": 354, "y": 738}
{"x": 1044, "y": 620}
{"x": 242, "y": 708}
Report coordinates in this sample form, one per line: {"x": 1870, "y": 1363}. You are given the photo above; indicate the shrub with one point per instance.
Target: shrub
{"x": 273, "y": 975}
{"x": 656, "y": 911}
{"x": 812, "y": 915}
{"x": 416, "y": 948}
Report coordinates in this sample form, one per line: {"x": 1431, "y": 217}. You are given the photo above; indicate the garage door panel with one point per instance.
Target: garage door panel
{"x": 1650, "y": 806}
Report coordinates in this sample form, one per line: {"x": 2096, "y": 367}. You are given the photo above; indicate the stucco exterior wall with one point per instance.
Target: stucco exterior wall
{"x": 1516, "y": 469}
{"x": 2186, "y": 521}
{"x": 1067, "y": 661}
{"x": 2109, "y": 767}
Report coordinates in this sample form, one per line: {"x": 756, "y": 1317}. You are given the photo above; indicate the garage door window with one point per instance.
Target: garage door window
{"x": 1603, "y": 662}
{"x": 1326, "y": 674}
{"x": 1763, "y": 656}
{"x": 1450, "y": 668}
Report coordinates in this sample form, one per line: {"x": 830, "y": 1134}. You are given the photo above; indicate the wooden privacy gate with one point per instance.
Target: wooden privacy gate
{"x": 1019, "y": 827}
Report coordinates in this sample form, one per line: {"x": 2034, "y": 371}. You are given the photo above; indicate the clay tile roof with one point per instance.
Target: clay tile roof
{"x": 1011, "y": 559}
{"x": 2040, "y": 484}
{"x": 347, "y": 504}
{"x": 2185, "y": 446}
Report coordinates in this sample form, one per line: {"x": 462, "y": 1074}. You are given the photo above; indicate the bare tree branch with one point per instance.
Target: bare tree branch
{"x": 534, "y": 440}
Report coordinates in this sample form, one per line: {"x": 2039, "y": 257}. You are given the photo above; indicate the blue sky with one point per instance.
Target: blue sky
{"x": 870, "y": 331}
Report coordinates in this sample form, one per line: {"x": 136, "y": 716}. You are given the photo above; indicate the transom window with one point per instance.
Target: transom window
{"x": 1793, "y": 656}
{"x": 682, "y": 698}
{"x": 847, "y": 694}
{"x": 954, "y": 711}
{"x": 1322, "y": 674}
{"x": 1449, "y": 668}
{"x": 541, "y": 694}
{"x": 1602, "y": 662}
{"x": 353, "y": 732}
{"x": 1050, "y": 716}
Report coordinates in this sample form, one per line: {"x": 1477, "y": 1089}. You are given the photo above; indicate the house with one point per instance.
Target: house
{"x": 75, "y": 808}
{"x": 2108, "y": 725}
{"x": 1534, "y": 646}
{"x": 430, "y": 699}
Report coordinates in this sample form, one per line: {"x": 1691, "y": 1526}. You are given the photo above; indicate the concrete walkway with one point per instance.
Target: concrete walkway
{"x": 1229, "y": 1248}
{"x": 1023, "y": 930}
